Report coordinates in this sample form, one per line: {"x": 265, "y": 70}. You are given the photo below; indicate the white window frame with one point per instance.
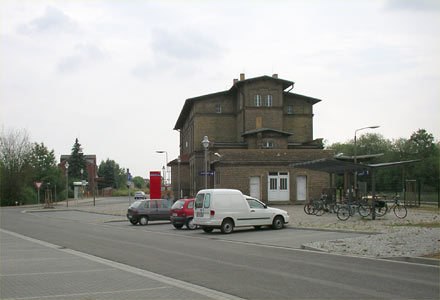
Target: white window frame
{"x": 269, "y": 100}
{"x": 257, "y": 100}
{"x": 218, "y": 108}
{"x": 289, "y": 109}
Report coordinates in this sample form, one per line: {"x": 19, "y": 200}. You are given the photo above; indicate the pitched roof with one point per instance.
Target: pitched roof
{"x": 255, "y": 131}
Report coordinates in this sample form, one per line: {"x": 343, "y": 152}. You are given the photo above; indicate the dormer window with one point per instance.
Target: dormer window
{"x": 257, "y": 100}
{"x": 268, "y": 102}
{"x": 268, "y": 144}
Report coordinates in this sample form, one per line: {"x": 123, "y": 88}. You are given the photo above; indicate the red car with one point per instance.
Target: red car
{"x": 182, "y": 213}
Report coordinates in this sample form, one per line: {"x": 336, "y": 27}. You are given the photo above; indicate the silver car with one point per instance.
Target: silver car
{"x": 143, "y": 211}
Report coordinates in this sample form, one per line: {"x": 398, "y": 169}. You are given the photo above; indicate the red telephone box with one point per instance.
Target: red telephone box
{"x": 155, "y": 185}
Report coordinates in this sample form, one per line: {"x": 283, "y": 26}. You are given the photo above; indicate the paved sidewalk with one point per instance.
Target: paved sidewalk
{"x": 33, "y": 269}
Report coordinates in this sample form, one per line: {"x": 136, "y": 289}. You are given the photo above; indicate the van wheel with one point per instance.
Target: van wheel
{"x": 207, "y": 229}
{"x": 278, "y": 222}
{"x": 134, "y": 222}
{"x": 227, "y": 226}
{"x": 190, "y": 224}
{"x": 143, "y": 220}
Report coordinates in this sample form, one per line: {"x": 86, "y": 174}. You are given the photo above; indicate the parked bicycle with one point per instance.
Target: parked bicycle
{"x": 399, "y": 209}
{"x": 321, "y": 206}
{"x": 345, "y": 211}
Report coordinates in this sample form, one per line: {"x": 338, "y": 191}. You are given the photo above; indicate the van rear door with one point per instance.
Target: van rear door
{"x": 202, "y": 207}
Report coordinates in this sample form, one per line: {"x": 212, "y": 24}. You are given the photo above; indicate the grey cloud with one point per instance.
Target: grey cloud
{"x": 183, "y": 45}
{"x": 53, "y": 21}
{"x": 413, "y": 5}
{"x": 84, "y": 54}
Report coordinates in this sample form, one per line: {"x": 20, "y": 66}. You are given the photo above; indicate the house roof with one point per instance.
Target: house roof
{"x": 189, "y": 102}
{"x": 255, "y": 131}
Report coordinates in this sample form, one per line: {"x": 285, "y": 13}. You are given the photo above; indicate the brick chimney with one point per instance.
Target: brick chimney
{"x": 275, "y": 75}
{"x": 241, "y": 76}
{"x": 234, "y": 81}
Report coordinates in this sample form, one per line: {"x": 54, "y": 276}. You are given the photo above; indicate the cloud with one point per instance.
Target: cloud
{"x": 84, "y": 54}
{"x": 413, "y": 5}
{"x": 189, "y": 45}
{"x": 53, "y": 21}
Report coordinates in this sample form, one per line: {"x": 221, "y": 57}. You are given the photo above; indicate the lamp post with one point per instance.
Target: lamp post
{"x": 166, "y": 157}
{"x": 355, "y": 150}
{"x": 67, "y": 183}
{"x": 163, "y": 177}
{"x": 82, "y": 185}
{"x": 215, "y": 171}
{"x": 205, "y": 144}
{"x": 179, "y": 160}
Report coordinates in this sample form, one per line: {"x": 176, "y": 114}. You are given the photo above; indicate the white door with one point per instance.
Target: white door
{"x": 278, "y": 186}
{"x": 301, "y": 188}
{"x": 254, "y": 187}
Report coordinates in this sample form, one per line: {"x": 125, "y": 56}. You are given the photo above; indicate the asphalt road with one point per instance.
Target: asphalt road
{"x": 238, "y": 265}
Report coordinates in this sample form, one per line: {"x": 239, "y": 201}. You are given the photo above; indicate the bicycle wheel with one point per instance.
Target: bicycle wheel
{"x": 364, "y": 210}
{"x": 343, "y": 213}
{"x": 319, "y": 210}
{"x": 309, "y": 209}
{"x": 400, "y": 211}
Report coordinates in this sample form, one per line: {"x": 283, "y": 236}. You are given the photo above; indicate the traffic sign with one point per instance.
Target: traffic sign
{"x": 38, "y": 184}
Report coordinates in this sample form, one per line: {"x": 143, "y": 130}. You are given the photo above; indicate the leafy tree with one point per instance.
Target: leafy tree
{"x": 45, "y": 167}
{"x": 113, "y": 175}
{"x": 15, "y": 168}
{"x": 77, "y": 163}
{"x": 139, "y": 182}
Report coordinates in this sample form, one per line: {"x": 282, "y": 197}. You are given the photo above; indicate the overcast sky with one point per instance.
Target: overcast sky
{"x": 116, "y": 74}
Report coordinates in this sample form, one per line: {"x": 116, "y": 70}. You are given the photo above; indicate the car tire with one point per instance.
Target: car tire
{"x": 278, "y": 222}
{"x": 178, "y": 226}
{"x": 133, "y": 222}
{"x": 207, "y": 229}
{"x": 190, "y": 224}
{"x": 143, "y": 220}
{"x": 227, "y": 226}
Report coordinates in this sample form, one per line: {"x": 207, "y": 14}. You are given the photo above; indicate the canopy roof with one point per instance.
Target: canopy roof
{"x": 332, "y": 165}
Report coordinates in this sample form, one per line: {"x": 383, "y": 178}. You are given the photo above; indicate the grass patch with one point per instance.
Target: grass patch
{"x": 422, "y": 224}
{"x": 433, "y": 255}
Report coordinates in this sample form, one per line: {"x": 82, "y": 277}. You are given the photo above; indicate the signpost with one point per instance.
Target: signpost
{"x": 38, "y": 185}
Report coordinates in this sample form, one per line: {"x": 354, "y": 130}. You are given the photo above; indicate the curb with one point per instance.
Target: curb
{"x": 416, "y": 260}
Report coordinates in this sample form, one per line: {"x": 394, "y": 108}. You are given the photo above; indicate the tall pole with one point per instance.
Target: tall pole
{"x": 205, "y": 144}
{"x": 178, "y": 178}
{"x": 67, "y": 183}
{"x": 355, "y": 151}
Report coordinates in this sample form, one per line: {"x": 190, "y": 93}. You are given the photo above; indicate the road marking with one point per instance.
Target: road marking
{"x": 204, "y": 292}
{"x": 90, "y": 293}
{"x": 50, "y": 273}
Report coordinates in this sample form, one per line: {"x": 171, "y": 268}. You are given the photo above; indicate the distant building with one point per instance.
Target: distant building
{"x": 92, "y": 168}
{"x": 256, "y": 129}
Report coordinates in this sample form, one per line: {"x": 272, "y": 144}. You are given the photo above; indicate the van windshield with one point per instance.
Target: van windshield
{"x": 199, "y": 200}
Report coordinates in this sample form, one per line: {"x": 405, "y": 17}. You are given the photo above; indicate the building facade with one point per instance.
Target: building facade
{"x": 256, "y": 129}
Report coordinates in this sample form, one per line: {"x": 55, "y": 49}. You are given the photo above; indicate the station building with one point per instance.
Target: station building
{"x": 256, "y": 130}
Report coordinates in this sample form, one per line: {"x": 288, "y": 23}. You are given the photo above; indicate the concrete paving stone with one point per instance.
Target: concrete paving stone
{"x": 58, "y": 273}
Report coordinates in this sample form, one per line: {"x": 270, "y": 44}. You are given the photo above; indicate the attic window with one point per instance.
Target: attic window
{"x": 268, "y": 144}
{"x": 218, "y": 108}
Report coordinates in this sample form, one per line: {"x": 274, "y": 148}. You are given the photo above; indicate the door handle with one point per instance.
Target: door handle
{"x": 252, "y": 210}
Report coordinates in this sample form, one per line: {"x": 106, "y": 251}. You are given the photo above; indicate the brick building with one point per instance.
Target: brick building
{"x": 256, "y": 129}
{"x": 92, "y": 168}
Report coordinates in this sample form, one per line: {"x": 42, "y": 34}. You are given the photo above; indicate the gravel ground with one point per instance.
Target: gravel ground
{"x": 415, "y": 236}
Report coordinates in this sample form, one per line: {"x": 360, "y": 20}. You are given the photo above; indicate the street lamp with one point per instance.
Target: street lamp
{"x": 163, "y": 177}
{"x": 179, "y": 160}
{"x": 67, "y": 183}
{"x": 166, "y": 156}
{"x": 205, "y": 144}
{"x": 355, "y": 150}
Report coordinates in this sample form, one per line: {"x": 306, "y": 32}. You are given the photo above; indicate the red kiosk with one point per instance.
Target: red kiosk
{"x": 155, "y": 185}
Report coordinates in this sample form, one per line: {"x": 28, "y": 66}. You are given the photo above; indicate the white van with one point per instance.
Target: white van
{"x": 227, "y": 208}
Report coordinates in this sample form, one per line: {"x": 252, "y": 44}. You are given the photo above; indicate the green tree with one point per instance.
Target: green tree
{"x": 45, "y": 168}
{"x": 113, "y": 175}
{"x": 77, "y": 163}
{"x": 139, "y": 182}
